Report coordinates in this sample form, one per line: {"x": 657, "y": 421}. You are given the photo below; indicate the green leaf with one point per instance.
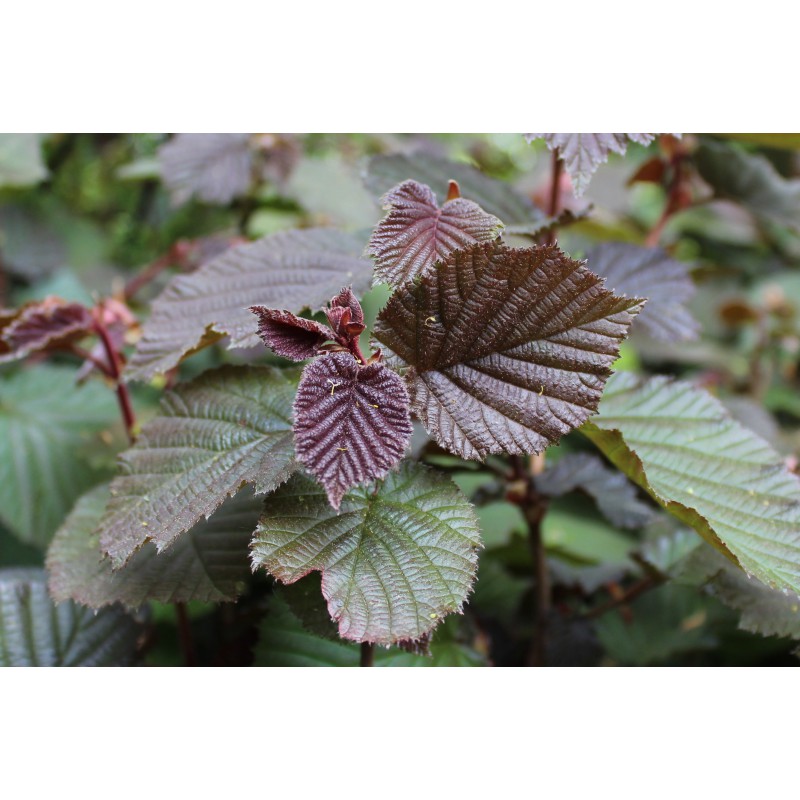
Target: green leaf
{"x": 21, "y": 162}
{"x": 48, "y": 429}
{"x": 209, "y": 563}
{"x": 36, "y": 633}
{"x": 285, "y": 642}
{"x": 504, "y": 350}
{"x": 394, "y": 561}
{"x": 494, "y": 197}
{"x": 680, "y": 445}
{"x": 782, "y": 141}
{"x": 228, "y": 427}
{"x": 292, "y": 270}
{"x": 751, "y": 180}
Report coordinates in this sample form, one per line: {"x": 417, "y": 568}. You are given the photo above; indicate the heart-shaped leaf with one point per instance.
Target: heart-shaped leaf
{"x": 36, "y": 633}
{"x": 508, "y": 349}
{"x": 351, "y": 422}
{"x": 228, "y": 427}
{"x": 207, "y": 564}
{"x": 292, "y": 270}
{"x": 416, "y": 232}
{"x": 680, "y": 445}
{"x": 395, "y": 560}
{"x": 651, "y": 273}
{"x": 583, "y": 153}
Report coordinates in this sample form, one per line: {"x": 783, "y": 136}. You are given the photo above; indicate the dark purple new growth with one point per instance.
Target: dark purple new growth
{"x": 351, "y": 414}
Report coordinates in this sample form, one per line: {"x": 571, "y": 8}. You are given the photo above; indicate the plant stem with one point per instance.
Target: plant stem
{"x": 367, "y": 655}
{"x": 148, "y": 274}
{"x": 355, "y": 349}
{"x": 555, "y": 193}
{"x": 185, "y": 635}
{"x": 115, "y": 373}
{"x": 638, "y": 588}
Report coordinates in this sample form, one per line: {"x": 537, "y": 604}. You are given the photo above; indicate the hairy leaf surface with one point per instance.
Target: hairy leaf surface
{"x": 394, "y": 561}
{"x": 290, "y": 336}
{"x": 507, "y": 350}
{"x": 494, "y": 197}
{"x": 351, "y": 422}
{"x": 583, "y": 153}
{"x": 679, "y": 444}
{"x": 209, "y": 563}
{"x": 614, "y": 494}
{"x": 292, "y": 270}
{"x": 36, "y": 633}
{"x": 750, "y": 179}
{"x": 416, "y": 232}
{"x": 651, "y": 273}
{"x": 46, "y": 447}
{"x": 228, "y": 427}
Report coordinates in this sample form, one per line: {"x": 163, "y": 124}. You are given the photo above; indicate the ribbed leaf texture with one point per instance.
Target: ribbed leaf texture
{"x": 36, "y": 633}
{"x": 292, "y": 270}
{"x": 214, "y": 167}
{"x": 290, "y": 336}
{"x": 209, "y": 563}
{"x": 750, "y": 179}
{"x": 285, "y": 642}
{"x": 394, "y": 560}
{"x": 507, "y": 349}
{"x": 416, "y": 232}
{"x": 228, "y": 427}
{"x": 351, "y": 422}
{"x": 48, "y": 450}
{"x": 651, "y": 273}
{"x": 614, "y": 494}
{"x": 43, "y": 325}
{"x": 583, "y": 153}
{"x": 679, "y": 444}
{"x": 495, "y": 197}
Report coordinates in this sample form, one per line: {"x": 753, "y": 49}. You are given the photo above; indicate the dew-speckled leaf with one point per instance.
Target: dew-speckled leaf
{"x": 395, "y": 559}
{"x": 495, "y": 197}
{"x": 615, "y": 496}
{"x": 679, "y": 444}
{"x": 583, "y": 153}
{"x": 34, "y": 632}
{"x": 651, "y": 273}
{"x": 45, "y": 325}
{"x": 229, "y": 427}
{"x": 292, "y": 270}
{"x": 416, "y": 232}
{"x": 21, "y": 161}
{"x": 504, "y": 350}
{"x": 214, "y": 167}
{"x": 351, "y": 422}
{"x": 209, "y": 563}
{"x": 50, "y": 439}
{"x": 750, "y": 179}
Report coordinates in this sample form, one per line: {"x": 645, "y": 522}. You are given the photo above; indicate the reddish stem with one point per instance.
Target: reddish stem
{"x": 148, "y": 274}
{"x": 115, "y": 373}
{"x": 555, "y": 194}
{"x": 355, "y": 349}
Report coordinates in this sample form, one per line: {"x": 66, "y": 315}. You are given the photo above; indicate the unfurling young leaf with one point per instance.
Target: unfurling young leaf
{"x": 351, "y": 422}
{"x": 291, "y": 336}
{"x": 416, "y": 232}
{"x": 228, "y": 427}
{"x": 292, "y": 270}
{"x": 506, "y": 350}
{"x": 394, "y": 560}
{"x": 583, "y": 153}
{"x": 649, "y": 272}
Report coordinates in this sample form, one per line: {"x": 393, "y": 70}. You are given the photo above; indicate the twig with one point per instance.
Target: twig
{"x": 367, "y": 655}
{"x": 115, "y": 373}
{"x": 185, "y": 635}
{"x": 638, "y": 588}
{"x": 555, "y": 194}
{"x": 147, "y": 275}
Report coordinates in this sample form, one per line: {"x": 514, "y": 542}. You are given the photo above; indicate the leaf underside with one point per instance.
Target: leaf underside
{"x": 292, "y": 270}
{"x": 583, "y": 153}
{"x": 36, "y": 633}
{"x": 505, "y": 350}
{"x": 351, "y": 422}
{"x": 394, "y": 561}
{"x": 229, "y": 427}
{"x": 651, "y": 273}
{"x": 415, "y": 232}
{"x": 209, "y": 563}
{"x": 679, "y": 444}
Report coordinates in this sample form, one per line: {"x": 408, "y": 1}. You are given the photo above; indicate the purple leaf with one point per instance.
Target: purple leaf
{"x": 345, "y": 314}
{"x": 291, "y": 336}
{"x": 508, "y": 349}
{"x": 416, "y": 232}
{"x": 351, "y": 422}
